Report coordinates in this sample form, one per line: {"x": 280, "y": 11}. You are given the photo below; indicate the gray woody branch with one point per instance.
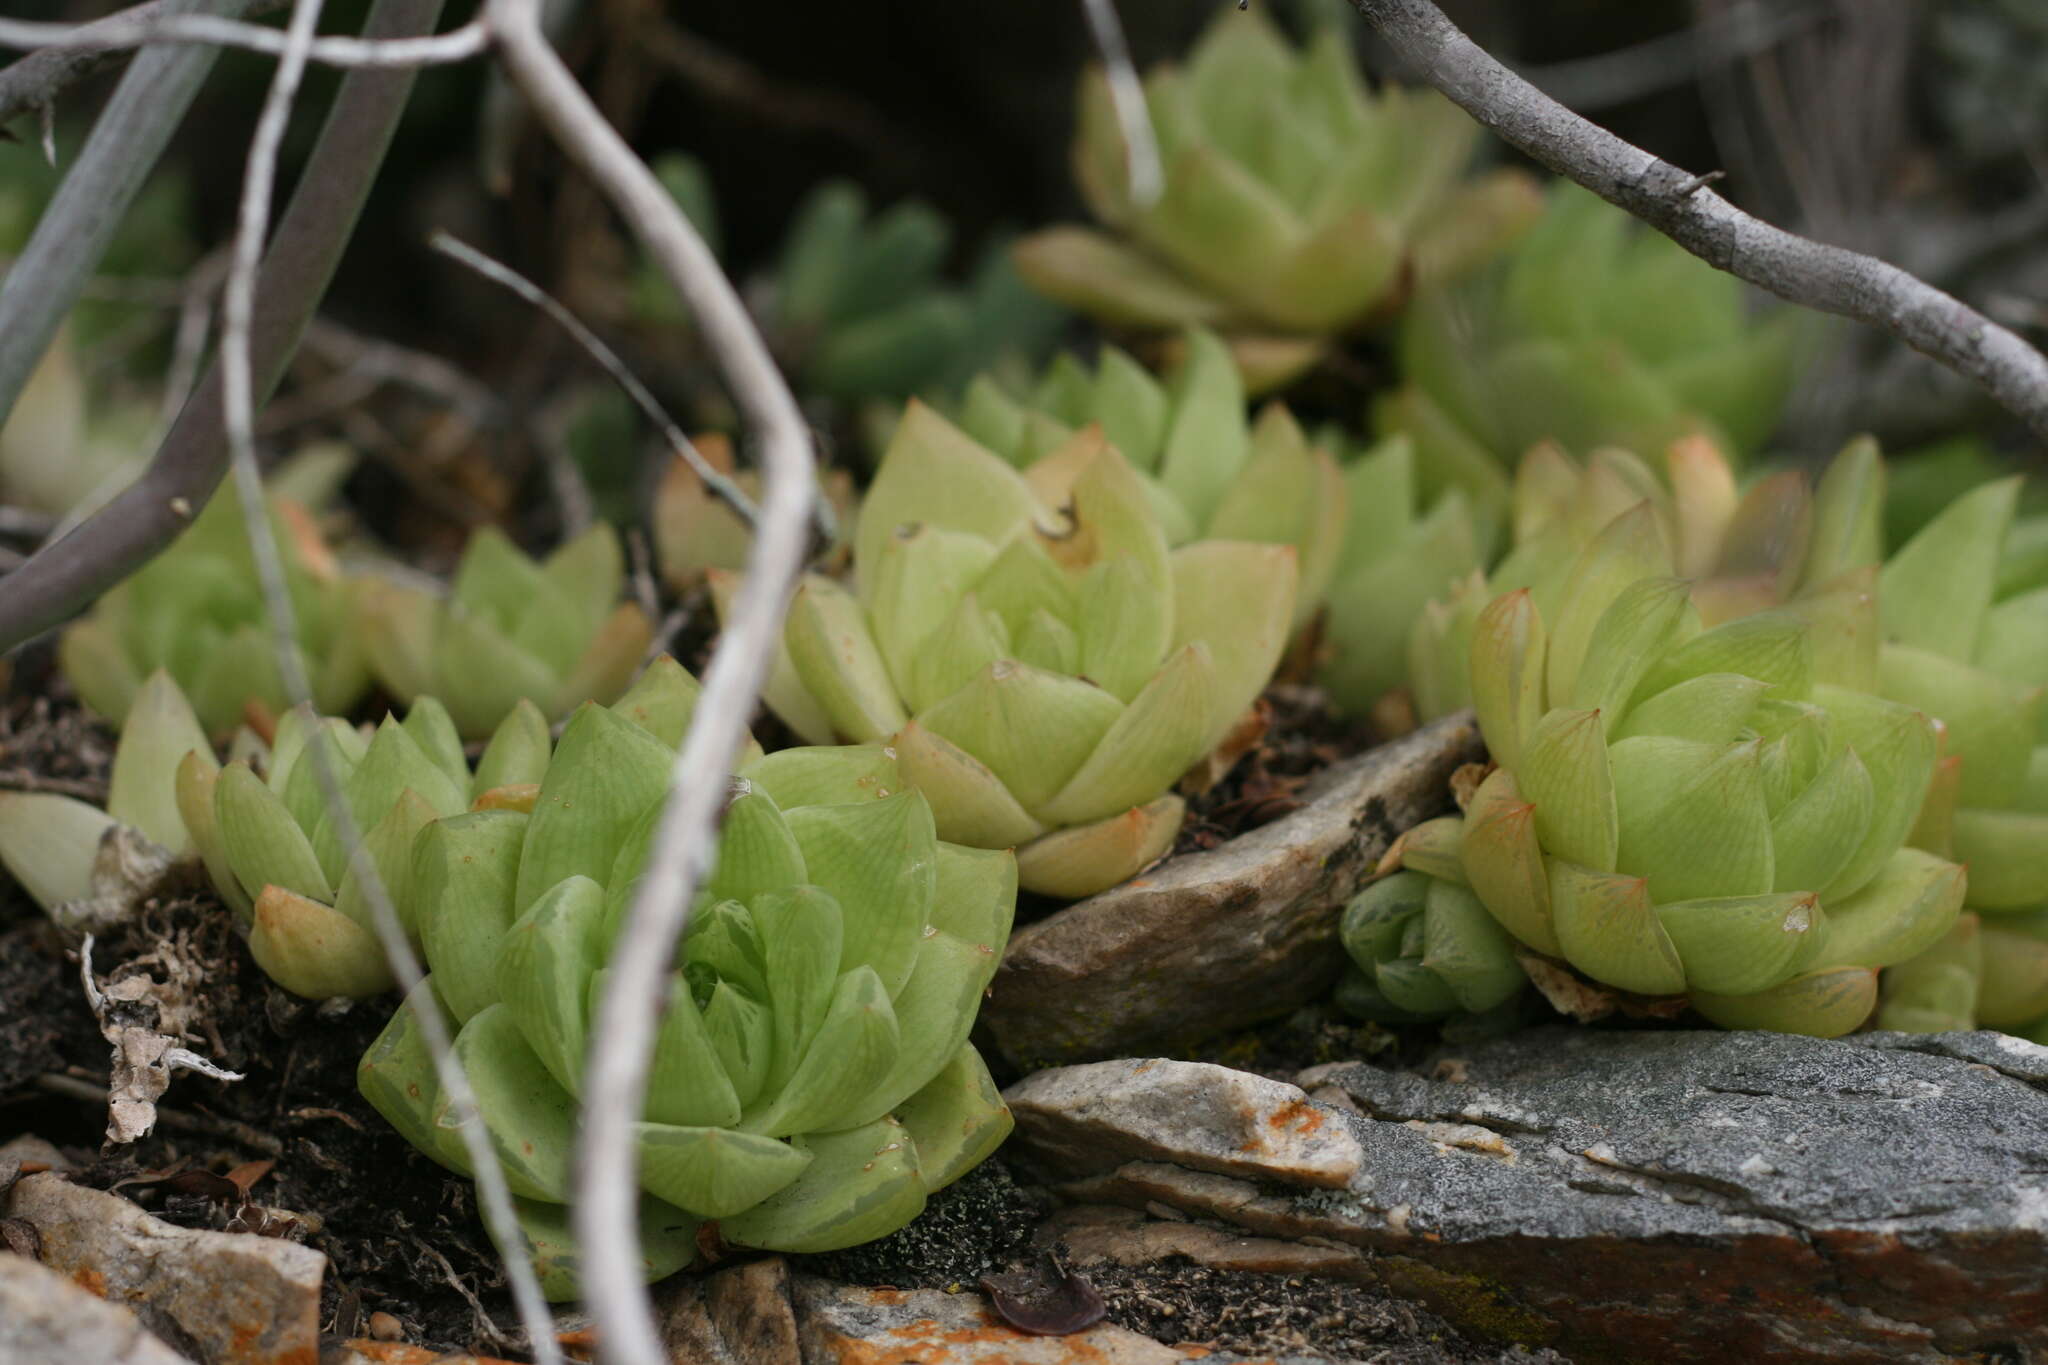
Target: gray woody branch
{"x": 1675, "y": 203}
{"x": 63, "y": 577}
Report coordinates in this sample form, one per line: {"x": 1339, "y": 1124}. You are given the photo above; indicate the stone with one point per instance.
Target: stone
{"x": 1079, "y": 1120}
{"x": 739, "y": 1316}
{"x": 367, "y": 1351}
{"x": 45, "y": 1317}
{"x": 849, "y": 1325}
{"x": 1210, "y": 942}
{"x": 1094, "y": 1234}
{"x": 224, "y": 1298}
{"x": 1677, "y": 1196}
{"x": 30, "y": 1150}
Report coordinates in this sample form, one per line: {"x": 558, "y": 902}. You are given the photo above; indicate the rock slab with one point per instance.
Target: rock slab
{"x": 1668, "y": 1196}
{"x": 223, "y": 1298}
{"x": 46, "y": 1319}
{"x": 1210, "y": 942}
{"x": 1085, "y": 1119}
{"x": 848, "y": 1325}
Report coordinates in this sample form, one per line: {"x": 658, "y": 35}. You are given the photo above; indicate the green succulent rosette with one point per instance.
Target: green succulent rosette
{"x": 856, "y": 305}
{"x": 275, "y": 855}
{"x": 1425, "y": 948}
{"x": 1297, "y": 204}
{"x": 196, "y": 611}
{"x": 812, "y": 1081}
{"x": 1034, "y": 656}
{"x": 1209, "y": 473}
{"x": 1591, "y": 331}
{"x": 1965, "y": 623}
{"x": 1716, "y": 812}
{"x": 509, "y": 629}
{"x": 1783, "y": 539}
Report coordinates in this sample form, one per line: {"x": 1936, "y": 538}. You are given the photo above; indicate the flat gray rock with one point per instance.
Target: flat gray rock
{"x": 45, "y": 1319}
{"x": 1085, "y": 1119}
{"x": 1671, "y": 1196}
{"x": 1209, "y": 942}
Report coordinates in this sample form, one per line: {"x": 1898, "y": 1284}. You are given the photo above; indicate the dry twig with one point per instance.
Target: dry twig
{"x": 685, "y": 847}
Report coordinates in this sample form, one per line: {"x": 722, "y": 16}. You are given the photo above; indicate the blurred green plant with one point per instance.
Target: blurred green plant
{"x": 695, "y": 531}
{"x": 1591, "y": 331}
{"x": 1965, "y": 624}
{"x": 812, "y": 1079}
{"x": 1208, "y": 473}
{"x": 856, "y": 306}
{"x": 197, "y": 611}
{"x": 65, "y": 450}
{"x": 509, "y": 629}
{"x": 1297, "y": 205}
{"x": 1035, "y": 657}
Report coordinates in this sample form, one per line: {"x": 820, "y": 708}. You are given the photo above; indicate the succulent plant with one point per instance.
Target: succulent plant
{"x": 1591, "y": 331}
{"x": 1209, "y": 474}
{"x": 1781, "y": 540}
{"x": 1396, "y": 560}
{"x": 509, "y": 629}
{"x": 81, "y": 863}
{"x": 1965, "y": 625}
{"x": 1039, "y": 662}
{"x": 1423, "y": 948}
{"x": 1716, "y": 812}
{"x": 812, "y": 1080}
{"x": 1296, "y": 204}
{"x": 276, "y": 857}
{"x": 62, "y": 453}
{"x": 696, "y": 532}
{"x": 196, "y": 610}
{"x": 856, "y": 307}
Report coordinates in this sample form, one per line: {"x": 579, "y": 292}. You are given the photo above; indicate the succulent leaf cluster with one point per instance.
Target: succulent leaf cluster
{"x": 695, "y": 531}
{"x": 1033, "y": 654}
{"x": 856, "y": 305}
{"x": 812, "y": 1081}
{"x": 1297, "y": 204}
{"x": 278, "y": 857}
{"x": 1591, "y": 331}
{"x": 1209, "y": 473}
{"x": 1718, "y": 811}
{"x": 78, "y": 861}
{"x": 1743, "y": 550}
{"x": 509, "y": 629}
{"x": 1965, "y": 622}
{"x": 197, "y": 611}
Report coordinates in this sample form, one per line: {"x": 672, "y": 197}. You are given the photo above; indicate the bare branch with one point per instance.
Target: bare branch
{"x": 499, "y": 273}
{"x": 1127, "y": 94}
{"x": 35, "y": 81}
{"x": 136, "y": 30}
{"x": 1806, "y": 272}
{"x": 238, "y": 299}
{"x": 63, "y": 577}
{"x": 685, "y": 847}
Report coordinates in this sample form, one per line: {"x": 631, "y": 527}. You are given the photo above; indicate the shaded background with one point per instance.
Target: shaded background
{"x": 1913, "y": 129}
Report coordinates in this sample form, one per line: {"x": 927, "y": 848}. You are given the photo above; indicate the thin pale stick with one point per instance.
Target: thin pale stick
{"x": 1127, "y": 95}
{"x": 115, "y": 32}
{"x": 499, "y": 273}
{"x": 1806, "y": 272}
{"x": 605, "y": 1212}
